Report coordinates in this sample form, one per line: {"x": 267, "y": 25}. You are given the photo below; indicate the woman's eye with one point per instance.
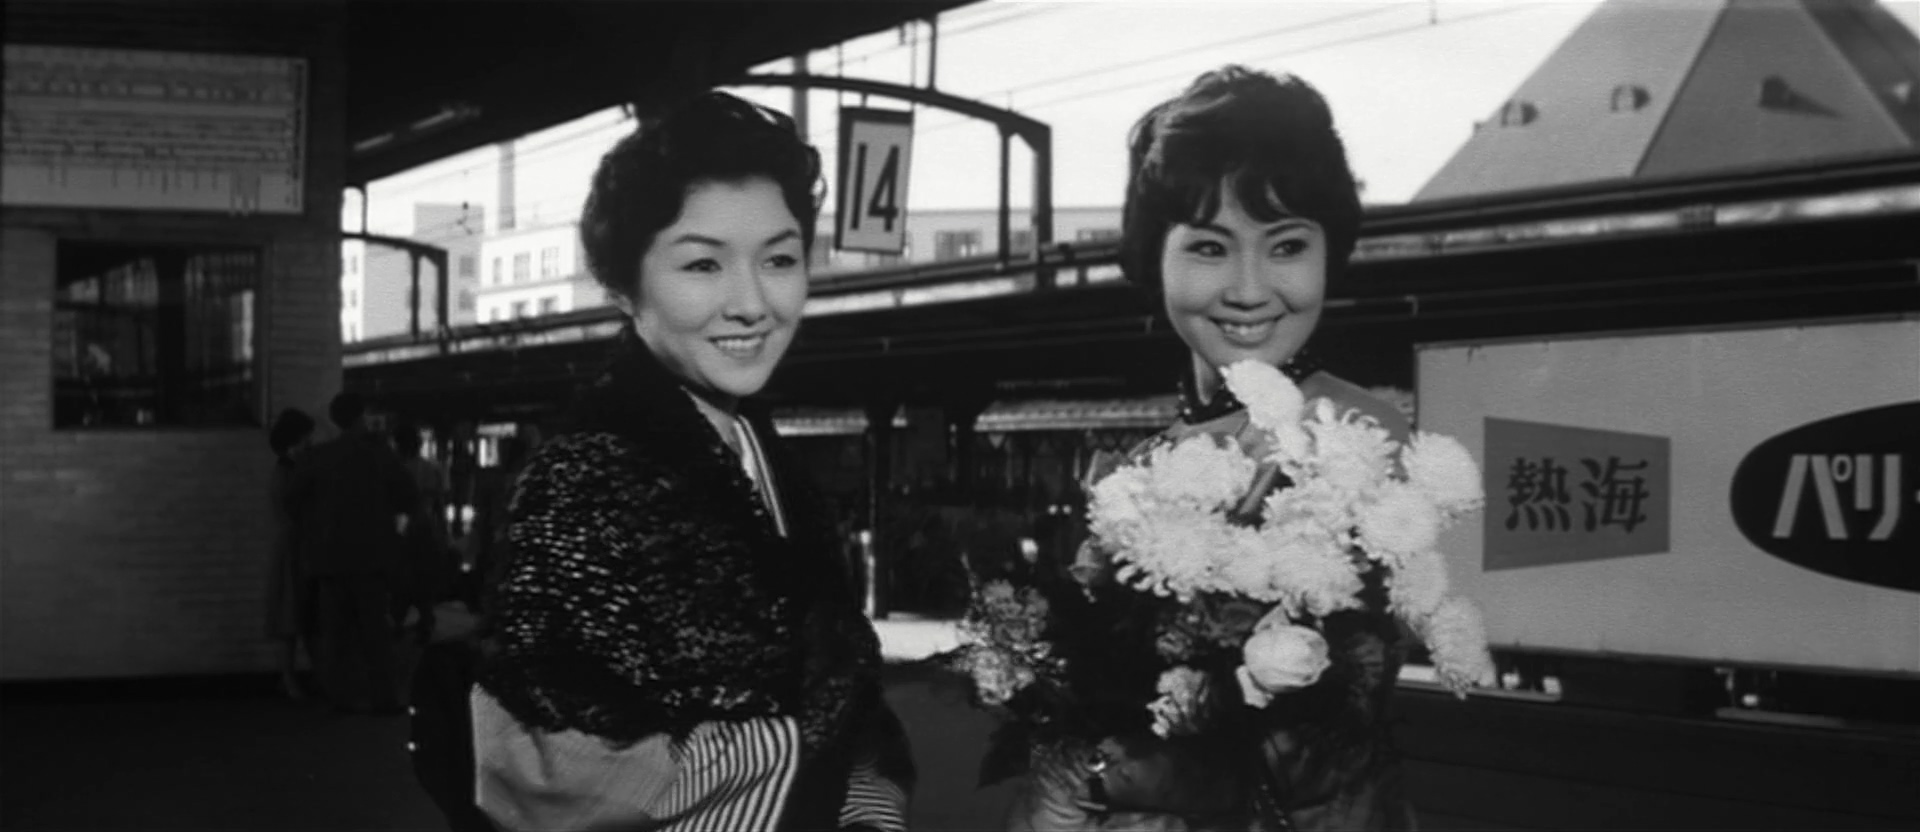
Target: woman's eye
{"x": 1290, "y": 247}
{"x": 1207, "y": 248}
{"x": 704, "y": 264}
{"x": 783, "y": 261}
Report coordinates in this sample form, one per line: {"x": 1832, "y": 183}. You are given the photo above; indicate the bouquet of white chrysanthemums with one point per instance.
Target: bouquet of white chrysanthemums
{"x": 1183, "y": 522}
{"x": 1224, "y": 555}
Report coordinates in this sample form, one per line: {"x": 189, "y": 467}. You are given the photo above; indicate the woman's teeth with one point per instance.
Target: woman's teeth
{"x": 743, "y": 346}
{"x": 1247, "y": 332}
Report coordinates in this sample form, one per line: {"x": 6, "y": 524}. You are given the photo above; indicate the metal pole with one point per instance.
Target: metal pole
{"x": 879, "y": 462}
{"x": 414, "y": 301}
{"x": 441, "y": 306}
{"x": 933, "y": 51}
{"x": 1043, "y": 200}
{"x": 800, "y": 119}
{"x": 1006, "y": 197}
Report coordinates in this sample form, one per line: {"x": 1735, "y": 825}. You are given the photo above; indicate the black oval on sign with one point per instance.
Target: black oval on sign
{"x": 1840, "y": 496}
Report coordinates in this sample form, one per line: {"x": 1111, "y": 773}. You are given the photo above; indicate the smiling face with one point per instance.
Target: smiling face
{"x": 722, "y": 288}
{"x": 1237, "y": 288}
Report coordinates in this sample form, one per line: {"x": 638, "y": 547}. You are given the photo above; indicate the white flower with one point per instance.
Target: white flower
{"x": 1114, "y": 511}
{"x": 1200, "y": 472}
{"x": 1271, "y": 399}
{"x": 1442, "y": 468}
{"x": 1458, "y": 641}
{"x": 1177, "y": 551}
{"x": 1292, "y": 442}
{"x": 1400, "y": 521}
{"x": 1250, "y": 572}
{"x": 1353, "y": 452}
{"x": 1305, "y": 570}
{"x": 1181, "y": 690}
{"x": 1279, "y": 658}
{"x": 1418, "y": 584}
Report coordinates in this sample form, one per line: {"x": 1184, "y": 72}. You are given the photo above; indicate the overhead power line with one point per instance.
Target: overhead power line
{"x": 1317, "y": 47}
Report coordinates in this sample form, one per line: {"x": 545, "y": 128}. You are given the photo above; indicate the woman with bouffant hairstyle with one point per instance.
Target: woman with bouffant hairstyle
{"x": 1240, "y": 211}
{"x": 673, "y": 643}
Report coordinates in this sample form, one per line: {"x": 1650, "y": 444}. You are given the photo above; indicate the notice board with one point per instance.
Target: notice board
{"x": 146, "y": 130}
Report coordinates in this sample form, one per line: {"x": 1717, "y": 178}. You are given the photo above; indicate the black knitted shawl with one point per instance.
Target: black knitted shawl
{"x": 649, "y": 591}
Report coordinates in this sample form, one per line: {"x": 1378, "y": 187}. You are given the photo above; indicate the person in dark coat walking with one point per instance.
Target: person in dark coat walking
{"x": 349, "y": 497}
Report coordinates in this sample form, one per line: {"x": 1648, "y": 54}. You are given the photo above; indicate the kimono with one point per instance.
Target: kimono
{"x": 673, "y": 643}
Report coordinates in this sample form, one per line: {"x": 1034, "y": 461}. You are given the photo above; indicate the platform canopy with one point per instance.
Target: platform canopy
{"x": 432, "y": 78}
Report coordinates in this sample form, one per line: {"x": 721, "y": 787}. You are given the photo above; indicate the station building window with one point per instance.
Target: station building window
{"x": 1020, "y": 241}
{"x": 522, "y": 267}
{"x": 549, "y": 262}
{"x": 466, "y": 265}
{"x": 549, "y": 305}
{"x": 499, "y": 272}
{"x": 154, "y": 335}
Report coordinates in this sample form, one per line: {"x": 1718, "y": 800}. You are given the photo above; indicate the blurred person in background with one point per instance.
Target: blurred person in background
{"x": 430, "y": 569}
{"x": 349, "y": 497}
{"x": 289, "y": 594}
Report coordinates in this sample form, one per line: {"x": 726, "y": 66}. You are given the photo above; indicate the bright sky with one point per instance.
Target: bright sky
{"x": 1406, "y": 81}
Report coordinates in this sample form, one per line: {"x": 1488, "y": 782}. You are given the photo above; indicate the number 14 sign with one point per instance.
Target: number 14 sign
{"x": 871, "y": 209}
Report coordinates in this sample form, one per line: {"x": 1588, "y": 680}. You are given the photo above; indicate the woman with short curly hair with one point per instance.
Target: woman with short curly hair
{"x": 673, "y": 643}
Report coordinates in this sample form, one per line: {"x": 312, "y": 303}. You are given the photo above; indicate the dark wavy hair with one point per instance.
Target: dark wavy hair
{"x": 291, "y": 426}
{"x": 346, "y": 410}
{"x": 1266, "y": 136}
{"x": 641, "y": 184}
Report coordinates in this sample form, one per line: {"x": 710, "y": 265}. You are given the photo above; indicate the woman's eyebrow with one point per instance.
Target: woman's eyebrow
{"x": 1286, "y": 224}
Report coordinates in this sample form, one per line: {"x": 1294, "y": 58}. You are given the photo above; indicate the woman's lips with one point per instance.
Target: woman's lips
{"x": 740, "y": 346}
{"x": 1244, "y": 334}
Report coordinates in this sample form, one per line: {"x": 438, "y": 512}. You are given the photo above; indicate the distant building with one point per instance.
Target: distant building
{"x": 529, "y": 272}
{"x": 376, "y": 282}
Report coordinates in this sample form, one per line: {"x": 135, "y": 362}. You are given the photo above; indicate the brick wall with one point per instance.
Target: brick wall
{"x": 144, "y": 552}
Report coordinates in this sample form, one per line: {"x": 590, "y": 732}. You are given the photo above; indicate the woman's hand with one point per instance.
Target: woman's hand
{"x": 1055, "y": 797}
{"x": 1185, "y": 775}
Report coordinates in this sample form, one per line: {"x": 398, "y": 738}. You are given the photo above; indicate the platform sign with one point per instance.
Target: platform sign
{"x": 1748, "y": 496}
{"x": 876, "y": 152}
{"x": 146, "y": 130}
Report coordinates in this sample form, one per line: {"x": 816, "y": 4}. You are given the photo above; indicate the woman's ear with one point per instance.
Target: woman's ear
{"x": 623, "y": 303}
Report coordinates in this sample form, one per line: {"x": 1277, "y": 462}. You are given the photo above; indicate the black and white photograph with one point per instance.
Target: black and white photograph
{"x": 959, "y": 415}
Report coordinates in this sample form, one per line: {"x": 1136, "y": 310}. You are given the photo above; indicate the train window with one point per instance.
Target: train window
{"x": 154, "y": 335}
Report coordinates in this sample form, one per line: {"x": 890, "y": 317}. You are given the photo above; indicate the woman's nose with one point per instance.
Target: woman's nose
{"x": 746, "y": 294}
{"x": 1248, "y": 289}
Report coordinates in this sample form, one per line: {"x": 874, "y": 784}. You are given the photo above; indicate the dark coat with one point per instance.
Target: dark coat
{"x": 649, "y": 591}
{"x": 344, "y": 496}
